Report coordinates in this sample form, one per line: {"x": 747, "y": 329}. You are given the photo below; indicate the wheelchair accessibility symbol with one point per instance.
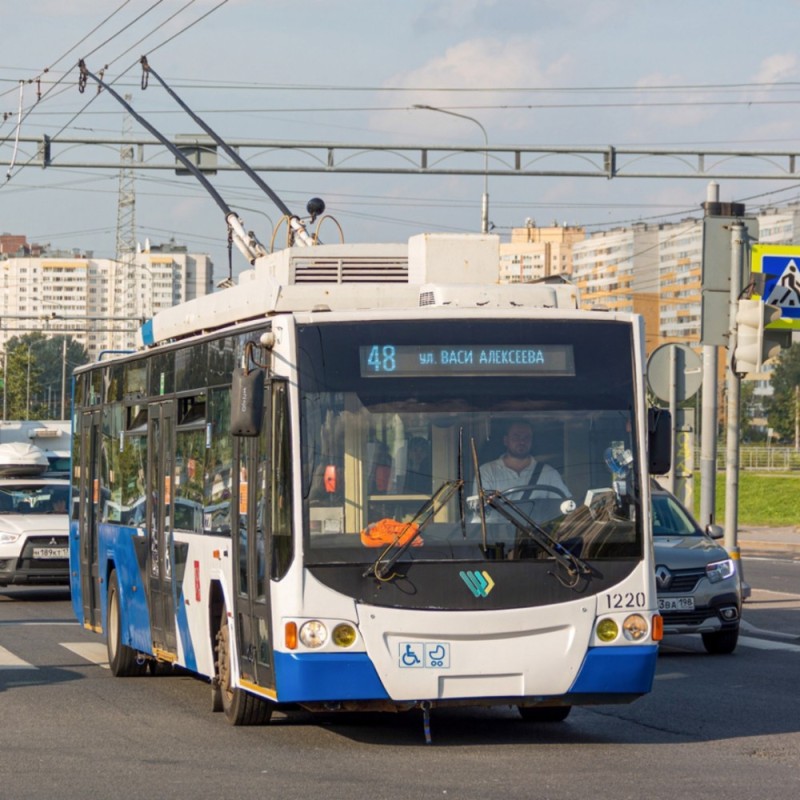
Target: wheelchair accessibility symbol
{"x": 424, "y": 655}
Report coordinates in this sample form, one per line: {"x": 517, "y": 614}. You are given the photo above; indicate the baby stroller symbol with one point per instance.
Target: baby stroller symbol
{"x": 436, "y": 655}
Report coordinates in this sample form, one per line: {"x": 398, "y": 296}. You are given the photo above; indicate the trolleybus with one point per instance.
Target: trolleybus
{"x": 280, "y": 489}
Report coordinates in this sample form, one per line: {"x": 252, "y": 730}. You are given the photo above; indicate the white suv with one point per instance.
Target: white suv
{"x": 34, "y": 525}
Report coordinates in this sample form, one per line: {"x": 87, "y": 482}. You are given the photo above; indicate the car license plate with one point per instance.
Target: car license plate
{"x": 676, "y": 603}
{"x": 50, "y": 552}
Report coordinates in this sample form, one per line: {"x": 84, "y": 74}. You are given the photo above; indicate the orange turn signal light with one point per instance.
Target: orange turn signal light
{"x": 290, "y": 635}
{"x": 658, "y": 627}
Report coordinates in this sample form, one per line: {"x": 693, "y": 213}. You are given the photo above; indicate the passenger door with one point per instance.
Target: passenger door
{"x": 89, "y": 515}
{"x": 161, "y": 552}
{"x": 251, "y": 536}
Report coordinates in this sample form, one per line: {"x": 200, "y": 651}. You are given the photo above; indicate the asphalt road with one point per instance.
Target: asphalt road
{"x": 714, "y": 726}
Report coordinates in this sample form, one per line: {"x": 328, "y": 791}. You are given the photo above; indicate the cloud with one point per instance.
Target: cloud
{"x": 474, "y": 64}
{"x": 776, "y": 68}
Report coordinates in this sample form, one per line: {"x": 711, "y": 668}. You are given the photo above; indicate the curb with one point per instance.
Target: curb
{"x": 756, "y": 548}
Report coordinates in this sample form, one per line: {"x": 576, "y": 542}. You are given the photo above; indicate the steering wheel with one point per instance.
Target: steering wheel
{"x": 542, "y": 487}
{"x": 520, "y": 496}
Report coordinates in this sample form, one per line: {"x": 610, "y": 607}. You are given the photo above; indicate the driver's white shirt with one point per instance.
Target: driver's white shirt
{"x": 496, "y": 476}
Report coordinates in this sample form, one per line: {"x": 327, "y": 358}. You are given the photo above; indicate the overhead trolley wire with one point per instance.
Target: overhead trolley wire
{"x": 91, "y": 100}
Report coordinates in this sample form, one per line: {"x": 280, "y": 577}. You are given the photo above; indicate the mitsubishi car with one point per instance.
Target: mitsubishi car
{"x": 699, "y": 585}
{"x": 34, "y": 522}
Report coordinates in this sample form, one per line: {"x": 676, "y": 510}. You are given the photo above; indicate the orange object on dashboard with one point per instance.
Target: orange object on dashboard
{"x": 390, "y": 531}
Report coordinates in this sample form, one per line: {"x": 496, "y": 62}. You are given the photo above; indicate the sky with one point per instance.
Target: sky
{"x": 687, "y": 74}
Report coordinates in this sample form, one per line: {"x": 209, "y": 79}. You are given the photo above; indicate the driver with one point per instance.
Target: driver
{"x": 517, "y": 467}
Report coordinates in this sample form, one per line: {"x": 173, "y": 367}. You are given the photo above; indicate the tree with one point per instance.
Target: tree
{"x": 782, "y": 406}
{"x": 34, "y": 372}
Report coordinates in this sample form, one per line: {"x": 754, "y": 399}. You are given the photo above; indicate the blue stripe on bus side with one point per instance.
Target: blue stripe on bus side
{"x": 617, "y": 670}
{"x": 75, "y": 588}
{"x": 182, "y": 619}
{"x": 326, "y": 676}
{"x": 116, "y": 545}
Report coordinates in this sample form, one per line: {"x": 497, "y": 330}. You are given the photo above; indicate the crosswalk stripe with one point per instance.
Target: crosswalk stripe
{"x": 9, "y": 661}
{"x": 95, "y": 652}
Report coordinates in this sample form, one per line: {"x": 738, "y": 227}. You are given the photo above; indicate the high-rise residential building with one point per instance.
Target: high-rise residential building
{"x": 653, "y": 270}
{"x": 618, "y": 270}
{"x": 534, "y": 253}
{"x": 779, "y": 225}
{"x": 93, "y": 299}
{"x": 680, "y": 253}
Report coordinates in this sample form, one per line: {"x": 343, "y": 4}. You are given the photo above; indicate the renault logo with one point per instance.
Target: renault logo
{"x": 663, "y": 577}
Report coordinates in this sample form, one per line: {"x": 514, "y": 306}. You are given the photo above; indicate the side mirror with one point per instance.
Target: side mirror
{"x": 715, "y": 531}
{"x": 247, "y": 401}
{"x": 659, "y": 440}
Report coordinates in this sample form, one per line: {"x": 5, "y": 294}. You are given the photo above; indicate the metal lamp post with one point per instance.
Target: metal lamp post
{"x": 485, "y": 198}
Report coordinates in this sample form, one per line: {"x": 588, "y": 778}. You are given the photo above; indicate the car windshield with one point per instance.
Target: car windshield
{"x": 33, "y": 499}
{"x": 670, "y": 519}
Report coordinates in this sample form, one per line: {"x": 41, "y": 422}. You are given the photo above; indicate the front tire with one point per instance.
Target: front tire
{"x": 721, "y": 643}
{"x": 122, "y": 659}
{"x": 240, "y": 707}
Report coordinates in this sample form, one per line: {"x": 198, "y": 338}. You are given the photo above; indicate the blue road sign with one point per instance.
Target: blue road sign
{"x": 780, "y": 266}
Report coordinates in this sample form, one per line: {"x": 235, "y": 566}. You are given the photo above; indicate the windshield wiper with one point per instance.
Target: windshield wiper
{"x": 576, "y": 567}
{"x": 429, "y": 509}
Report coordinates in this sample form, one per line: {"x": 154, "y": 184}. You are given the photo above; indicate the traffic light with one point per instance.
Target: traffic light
{"x": 755, "y": 343}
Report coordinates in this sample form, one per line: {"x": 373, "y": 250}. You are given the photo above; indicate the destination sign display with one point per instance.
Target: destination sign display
{"x": 440, "y": 360}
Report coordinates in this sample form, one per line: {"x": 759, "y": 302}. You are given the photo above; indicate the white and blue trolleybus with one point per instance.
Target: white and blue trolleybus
{"x": 281, "y": 489}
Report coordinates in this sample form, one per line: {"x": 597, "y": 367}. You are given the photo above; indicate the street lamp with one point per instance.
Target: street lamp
{"x": 485, "y": 198}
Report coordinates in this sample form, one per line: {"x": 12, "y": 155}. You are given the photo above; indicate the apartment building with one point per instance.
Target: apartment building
{"x": 99, "y": 301}
{"x": 618, "y": 270}
{"x": 535, "y": 253}
{"x": 680, "y": 254}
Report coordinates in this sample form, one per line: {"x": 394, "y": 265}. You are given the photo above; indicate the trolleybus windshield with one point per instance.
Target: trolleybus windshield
{"x": 393, "y": 410}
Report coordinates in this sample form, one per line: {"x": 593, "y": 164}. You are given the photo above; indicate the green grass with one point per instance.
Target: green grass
{"x": 765, "y": 498}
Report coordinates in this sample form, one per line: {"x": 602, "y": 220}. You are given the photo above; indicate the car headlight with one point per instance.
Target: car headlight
{"x": 719, "y": 570}
{"x": 9, "y": 538}
{"x": 313, "y": 634}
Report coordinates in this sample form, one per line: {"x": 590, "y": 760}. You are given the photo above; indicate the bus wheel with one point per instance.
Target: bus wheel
{"x": 544, "y": 713}
{"x": 121, "y": 658}
{"x": 240, "y": 707}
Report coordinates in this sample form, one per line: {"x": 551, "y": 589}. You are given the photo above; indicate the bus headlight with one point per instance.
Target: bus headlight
{"x": 344, "y": 635}
{"x": 607, "y": 630}
{"x": 635, "y": 627}
{"x": 313, "y": 634}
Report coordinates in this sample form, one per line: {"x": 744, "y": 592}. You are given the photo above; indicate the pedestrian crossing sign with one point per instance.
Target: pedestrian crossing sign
{"x": 780, "y": 266}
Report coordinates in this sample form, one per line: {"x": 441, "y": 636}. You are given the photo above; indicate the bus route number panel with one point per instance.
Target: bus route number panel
{"x": 442, "y": 360}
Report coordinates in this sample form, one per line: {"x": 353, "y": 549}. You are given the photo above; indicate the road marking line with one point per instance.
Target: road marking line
{"x": 788, "y": 595}
{"x": 671, "y": 676}
{"x": 9, "y": 661}
{"x": 764, "y": 644}
{"x": 95, "y": 652}
{"x": 750, "y": 628}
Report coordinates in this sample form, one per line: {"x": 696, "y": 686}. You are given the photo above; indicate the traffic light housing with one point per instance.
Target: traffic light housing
{"x": 755, "y": 342}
